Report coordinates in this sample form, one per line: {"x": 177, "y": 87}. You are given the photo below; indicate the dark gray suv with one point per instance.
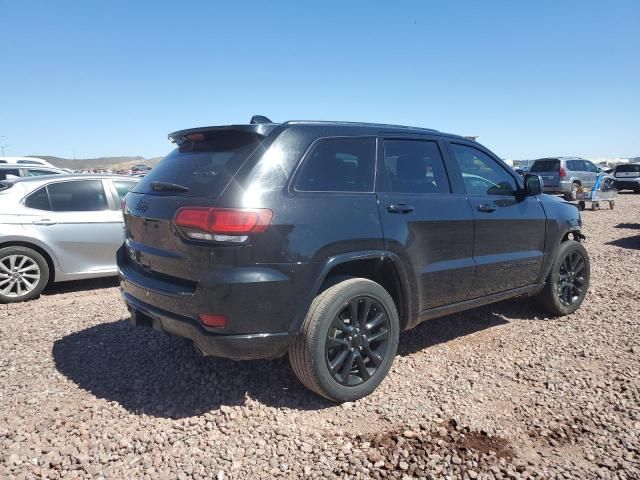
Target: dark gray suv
{"x": 325, "y": 240}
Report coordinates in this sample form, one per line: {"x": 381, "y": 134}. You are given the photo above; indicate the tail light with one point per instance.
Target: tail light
{"x": 563, "y": 172}
{"x": 221, "y": 224}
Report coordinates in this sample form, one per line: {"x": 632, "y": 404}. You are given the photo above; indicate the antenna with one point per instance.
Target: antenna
{"x": 259, "y": 119}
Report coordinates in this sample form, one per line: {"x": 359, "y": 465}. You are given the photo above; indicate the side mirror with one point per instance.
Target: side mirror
{"x": 533, "y": 184}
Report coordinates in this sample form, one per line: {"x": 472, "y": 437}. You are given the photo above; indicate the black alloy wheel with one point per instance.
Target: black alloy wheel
{"x": 357, "y": 341}
{"x": 571, "y": 278}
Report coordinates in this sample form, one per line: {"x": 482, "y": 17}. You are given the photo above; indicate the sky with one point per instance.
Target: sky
{"x": 113, "y": 78}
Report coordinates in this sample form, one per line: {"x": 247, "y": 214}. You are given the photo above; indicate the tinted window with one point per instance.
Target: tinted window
{"x": 545, "y": 166}
{"x": 38, "y": 199}
{"x": 590, "y": 167}
{"x": 79, "y": 196}
{"x": 414, "y": 166}
{"x": 339, "y": 165}
{"x": 482, "y": 175}
{"x": 578, "y": 166}
{"x": 36, "y": 173}
{"x": 204, "y": 167}
{"x": 9, "y": 171}
{"x": 628, "y": 168}
{"x": 123, "y": 187}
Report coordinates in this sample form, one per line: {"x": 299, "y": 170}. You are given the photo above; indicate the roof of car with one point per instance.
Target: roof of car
{"x": 70, "y": 176}
{"x": 266, "y": 128}
{"x": 28, "y": 165}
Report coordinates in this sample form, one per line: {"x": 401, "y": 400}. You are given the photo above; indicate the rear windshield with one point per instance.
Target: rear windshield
{"x": 545, "y": 166}
{"x": 204, "y": 167}
{"x": 628, "y": 168}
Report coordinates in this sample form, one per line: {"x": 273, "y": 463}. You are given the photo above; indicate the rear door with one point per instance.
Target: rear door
{"x": 509, "y": 229}
{"x": 78, "y": 220}
{"x": 423, "y": 222}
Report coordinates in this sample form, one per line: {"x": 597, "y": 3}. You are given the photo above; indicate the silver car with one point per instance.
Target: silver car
{"x": 57, "y": 228}
{"x": 9, "y": 171}
{"x": 566, "y": 175}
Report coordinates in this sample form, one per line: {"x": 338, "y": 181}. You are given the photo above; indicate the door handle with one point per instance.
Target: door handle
{"x": 485, "y": 207}
{"x": 44, "y": 221}
{"x": 400, "y": 208}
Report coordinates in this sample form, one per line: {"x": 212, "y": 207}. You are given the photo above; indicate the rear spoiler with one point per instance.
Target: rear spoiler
{"x": 259, "y": 125}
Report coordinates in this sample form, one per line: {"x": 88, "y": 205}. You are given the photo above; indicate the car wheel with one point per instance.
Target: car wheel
{"x": 568, "y": 280}
{"x": 573, "y": 194}
{"x": 23, "y": 274}
{"x": 348, "y": 340}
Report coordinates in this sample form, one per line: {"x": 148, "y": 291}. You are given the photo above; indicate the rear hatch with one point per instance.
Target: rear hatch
{"x": 627, "y": 171}
{"x": 194, "y": 174}
{"x": 548, "y": 169}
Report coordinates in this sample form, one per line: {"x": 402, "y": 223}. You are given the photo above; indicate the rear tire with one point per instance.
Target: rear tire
{"x": 573, "y": 194}
{"x": 568, "y": 281}
{"x": 23, "y": 274}
{"x": 348, "y": 340}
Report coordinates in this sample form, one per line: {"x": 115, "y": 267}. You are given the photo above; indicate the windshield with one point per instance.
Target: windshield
{"x": 203, "y": 167}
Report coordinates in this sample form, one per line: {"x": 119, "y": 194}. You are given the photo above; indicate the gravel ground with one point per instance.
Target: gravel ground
{"x": 497, "y": 392}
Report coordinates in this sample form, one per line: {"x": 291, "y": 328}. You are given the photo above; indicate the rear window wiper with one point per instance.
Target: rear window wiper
{"x": 167, "y": 186}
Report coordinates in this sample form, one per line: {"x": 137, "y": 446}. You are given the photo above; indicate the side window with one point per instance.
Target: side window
{"x": 590, "y": 167}
{"x": 31, "y": 172}
{"x": 481, "y": 174}
{"x": 78, "y": 196}
{"x": 339, "y": 165}
{"x": 123, "y": 187}
{"x": 10, "y": 172}
{"x": 38, "y": 199}
{"x": 415, "y": 166}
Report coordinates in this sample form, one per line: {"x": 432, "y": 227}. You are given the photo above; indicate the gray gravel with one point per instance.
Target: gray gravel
{"x": 498, "y": 392}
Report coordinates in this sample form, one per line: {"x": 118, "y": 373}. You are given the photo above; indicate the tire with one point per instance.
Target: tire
{"x": 23, "y": 274}
{"x": 330, "y": 322}
{"x": 573, "y": 194}
{"x": 566, "y": 300}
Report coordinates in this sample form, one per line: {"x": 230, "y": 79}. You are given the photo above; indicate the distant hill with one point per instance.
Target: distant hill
{"x": 97, "y": 163}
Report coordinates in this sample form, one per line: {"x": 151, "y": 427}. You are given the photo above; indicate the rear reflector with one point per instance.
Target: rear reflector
{"x": 226, "y": 221}
{"x": 213, "y": 320}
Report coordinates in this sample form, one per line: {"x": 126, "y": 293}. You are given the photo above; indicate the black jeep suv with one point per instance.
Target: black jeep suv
{"x": 325, "y": 240}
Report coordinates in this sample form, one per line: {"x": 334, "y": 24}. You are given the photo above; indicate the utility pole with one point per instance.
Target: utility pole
{"x": 3, "y": 147}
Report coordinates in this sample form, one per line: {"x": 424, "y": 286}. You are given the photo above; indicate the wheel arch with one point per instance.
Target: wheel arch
{"x": 38, "y": 248}
{"x": 380, "y": 266}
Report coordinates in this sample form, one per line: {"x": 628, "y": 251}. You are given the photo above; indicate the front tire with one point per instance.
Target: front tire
{"x": 568, "y": 280}
{"x": 348, "y": 340}
{"x": 23, "y": 274}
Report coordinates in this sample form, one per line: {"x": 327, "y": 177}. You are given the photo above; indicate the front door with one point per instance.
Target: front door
{"x": 509, "y": 228}
{"x": 423, "y": 222}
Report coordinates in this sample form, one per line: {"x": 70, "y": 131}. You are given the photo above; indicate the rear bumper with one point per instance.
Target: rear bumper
{"x": 258, "y": 302}
{"x": 236, "y": 347}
